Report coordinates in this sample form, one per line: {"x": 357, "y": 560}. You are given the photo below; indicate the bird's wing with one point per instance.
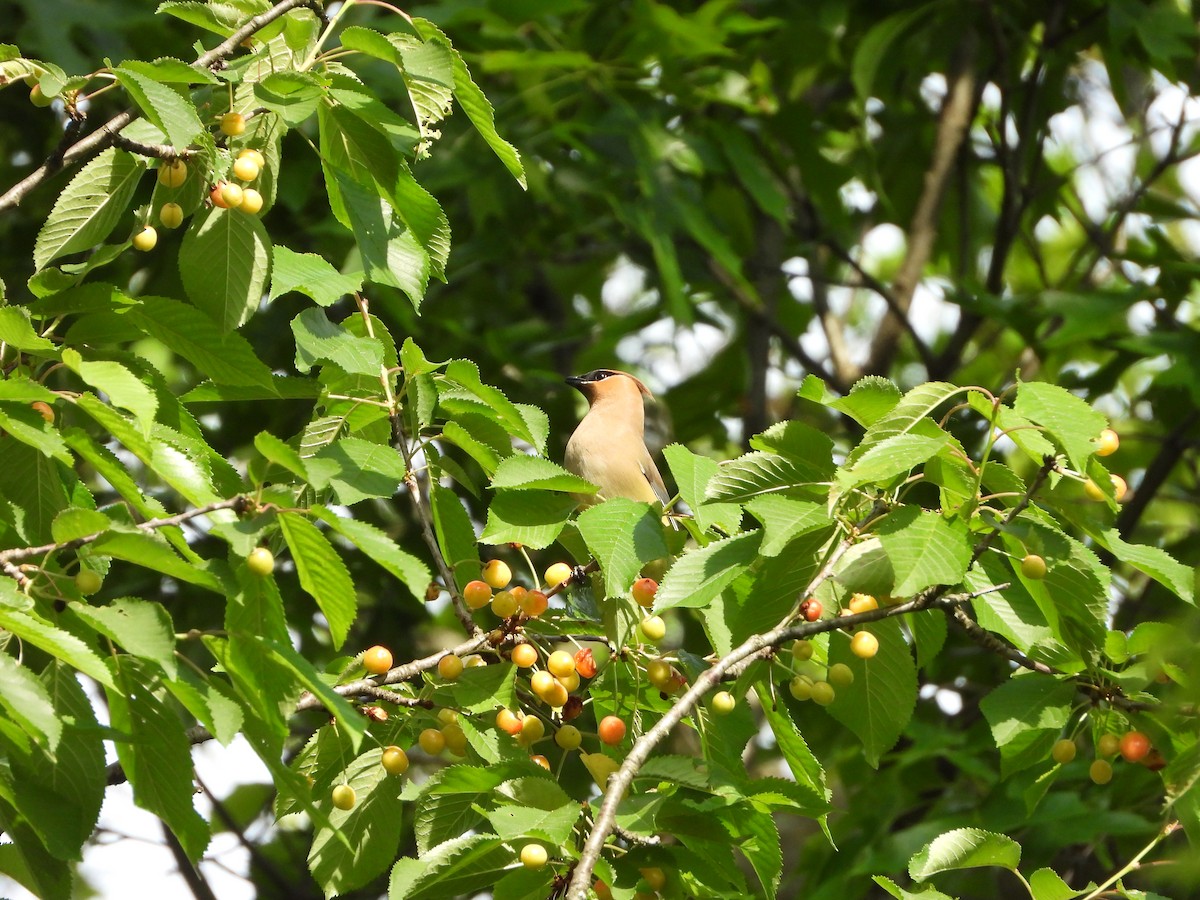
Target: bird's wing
{"x": 650, "y": 471}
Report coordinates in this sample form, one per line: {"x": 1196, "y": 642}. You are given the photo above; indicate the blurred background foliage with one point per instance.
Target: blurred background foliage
{"x": 724, "y": 197}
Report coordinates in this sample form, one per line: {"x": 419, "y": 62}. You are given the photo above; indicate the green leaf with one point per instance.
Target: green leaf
{"x": 924, "y": 549}
{"x": 929, "y": 892}
{"x": 356, "y": 469}
{"x": 964, "y": 848}
{"x": 455, "y": 535}
{"x": 532, "y": 518}
{"x": 1071, "y": 421}
{"x": 309, "y": 274}
{"x": 463, "y": 865}
{"x": 152, "y": 551}
{"x": 57, "y": 642}
{"x": 786, "y": 518}
{"x": 17, "y": 388}
{"x": 1044, "y": 884}
{"x": 90, "y": 207}
{"x": 889, "y": 458}
{"x": 33, "y": 484}
{"x": 27, "y": 702}
{"x": 225, "y": 357}
{"x": 157, "y": 757}
{"x": 465, "y": 374}
{"x": 475, "y": 104}
{"x": 17, "y": 331}
{"x": 700, "y": 575}
{"x": 224, "y": 261}
{"x": 169, "y": 111}
{"x": 534, "y": 472}
{"x": 876, "y": 46}
{"x": 692, "y": 474}
{"x": 139, "y": 627}
{"x": 805, "y": 769}
{"x": 121, "y": 385}
{"x": 320, "y": 340}
{"x": 75, "y": 523}
{"x": 374, "y": 542}
{"x": 292, "y": 95}
{"x": 1027, "y": 714}
{"x": 622, "y": 535}
{"x": 910, "y": 415}
{"x": 871, "y": 398}
{"x": 1152, "y": 561}
{"x": 283, "y": 455}
{"x": 28, "y": 427}
{"x": 879, "y": 703}
{"x": 539, "y": 806}
{"x": 356, "y": 845}
{"x": 754, "y": 474}
{"x": 322, "y": 574}
{"x": 754, "y": 833}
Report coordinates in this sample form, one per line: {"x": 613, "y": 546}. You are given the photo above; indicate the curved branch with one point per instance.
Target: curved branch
{"x": 104, "y": 136}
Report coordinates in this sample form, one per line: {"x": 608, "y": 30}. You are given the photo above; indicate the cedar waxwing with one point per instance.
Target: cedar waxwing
{"x": 608, "y": 447}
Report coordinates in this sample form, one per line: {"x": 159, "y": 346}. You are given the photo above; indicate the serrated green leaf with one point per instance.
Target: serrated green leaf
{"x": 786, "y": 518}
{"x": 455, "y": 535}
{"x": 309, "y": 274}
{"x": 157, "y": 758}
{"x": 700, "y": 575}
{"x": 90, "y": 207}
{"x": 374, "y": 542}
{"x": 871, "y": 398}
{"x": 465, "y": 374}
{"x": 123, "y": 388}
{"x": 964, "y": 848}
{"x": 76, "y": 523}
{"x": 320, "y": 340}
{"x": 27, "y": 702}
{"x": 533, "y": 472}
{"x": 322, "y": 574}
{"x": 879, "y": 703}
{"x": 924, "y": 549}
{"x": 1071, "y": 421}
{"x": 170, "y": 112}
{"x": 137, "y": 626}
{"x": 805, "y": 768}
{"x": 32, "y": 629}
{"x": 1027, "y": 714}
{"x": 889, "y": 458}
{"x": 356, "y": 469}
{"x": 755, "y": 474}
{"x": 909, "y": 416}
{"x": 224, "y": 261}
{"x": 153, "y": 552}
{"x": 692, "y": 473}
{"x": 27, "y": 426}
{"x": 283, "y": 455}
{"x": 1152, "y": 561}
{"x": 1044, "y": 884}
{"x": 225, "y": 357}
{"x": 622, "y": 535}
{"x": 532, "y": 518}
{"x": 16, "y": 330}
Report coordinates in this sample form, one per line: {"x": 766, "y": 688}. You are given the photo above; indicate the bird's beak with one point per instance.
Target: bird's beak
{"x": 574, "y": 381}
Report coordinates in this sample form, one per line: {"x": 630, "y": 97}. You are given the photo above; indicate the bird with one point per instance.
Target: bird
{"x": 608, "y": 448}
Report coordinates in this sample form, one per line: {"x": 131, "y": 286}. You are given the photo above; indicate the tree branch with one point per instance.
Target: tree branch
{"x": 953, "y": 124}
{"x": 104, "y": 136}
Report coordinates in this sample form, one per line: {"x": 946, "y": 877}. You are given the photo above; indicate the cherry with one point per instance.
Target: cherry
{"x": 245, "y": 168}
{"x": 450, "y": 667}
{"x": 170, "y": 215}
{"x": 801, "y": 687}
{"x": 432, "y": 741}
{"x": 477, "y": 594}
{"x": 87, "y": 582}
{"x": 497, "y": 574}
{"x": 802, "y": 650}
{"x": 504, "y": 604}
{"x": 864, "y": 645}
{"x": 43, "y": 409}
{"x": 557, "y": 574}
{"x": 1033, "y": 567}
{"x": 568, "y": 737}
{"x": 1134, "y": 745}
{"x": 561, "y": 663}
{"x": 841, "y": 675}
{"x": 658, "y": 671}
{"x": 860, "y": 603}
{"x": 377, "y": 660}
{"x": 533, "y": 603}
{"x": 455, "y": 738}
{"x": 644, "y": 590}
{"x": 533, "y": 729}
{"x": 1063, "y": 751}
{"x": 1100, "y": 771}
{"x": 394, "y": 760}
{"x": 252, "y": 154}
{"x": 172, "y": 174}
{"x": 534, "y": 856}
{"x": 541, "y": 761}
{"x": 1107, "y": 443}
{"x": 146, "y": 239}
{"x": 1108, "y": 745}
{"x": 585, "y": 662}
{"x": 811, "y": 609}
{"x": 822, "y": 693}
{"x": 261, "y": 562}
{"x": 723, "y": 703}
{"x": 233, "y": 124}
{"x": 653, "y": 628}
{"x": 611, "y": 730}
{"x": 252, "y": 201}
{"x": 524, "y": 655}
{"x": 344, "y": 796}
{"x": 508, "y": 721}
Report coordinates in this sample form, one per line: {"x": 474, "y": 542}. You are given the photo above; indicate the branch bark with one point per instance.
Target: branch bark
{"x": 104, "y": 136}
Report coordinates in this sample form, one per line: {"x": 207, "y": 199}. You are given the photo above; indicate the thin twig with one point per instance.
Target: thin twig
{"x": 104, "y": 136}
